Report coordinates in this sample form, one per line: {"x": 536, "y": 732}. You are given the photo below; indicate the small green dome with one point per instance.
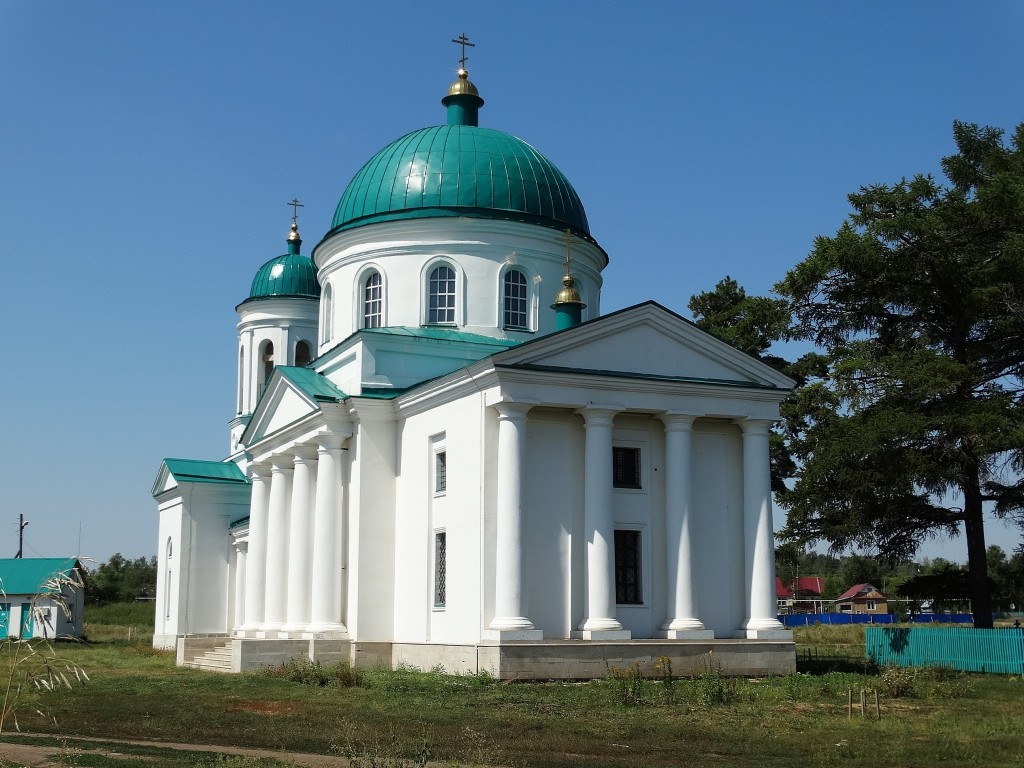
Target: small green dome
{"x": 292, "y": 275}
{"x": 460, "y": 170}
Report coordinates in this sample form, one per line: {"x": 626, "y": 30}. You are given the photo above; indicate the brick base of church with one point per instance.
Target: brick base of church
{"x": 536, "y": 660}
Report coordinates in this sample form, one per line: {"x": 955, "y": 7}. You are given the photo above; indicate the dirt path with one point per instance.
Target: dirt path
{"x": 37, "y": 755}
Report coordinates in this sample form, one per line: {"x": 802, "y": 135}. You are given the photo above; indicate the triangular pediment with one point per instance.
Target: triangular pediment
{"x": 645, "y": 340}
{"x": 292, "y": 394}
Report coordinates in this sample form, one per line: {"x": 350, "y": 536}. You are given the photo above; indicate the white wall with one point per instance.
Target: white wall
{"x": 717, "y": 525}
{"x": 478, "y": 249}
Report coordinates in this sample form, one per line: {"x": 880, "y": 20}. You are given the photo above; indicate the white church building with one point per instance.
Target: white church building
{"x": 444, "y": 454}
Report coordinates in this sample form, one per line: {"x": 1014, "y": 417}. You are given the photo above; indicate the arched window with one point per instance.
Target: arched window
{"x": 373, "y": 301}
{"x": 515, "y": 301}
{"x": 167, "y": 580}
{"x": 267, "y": 361}
{"x": 441, "y": 296}
{"x": 327, "y": 331}
{"x": 302, "y": 356}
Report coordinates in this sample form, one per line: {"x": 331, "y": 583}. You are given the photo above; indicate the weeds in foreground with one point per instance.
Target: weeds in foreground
{"x": 926, "y": 683}
{"x": 33, "y": 667}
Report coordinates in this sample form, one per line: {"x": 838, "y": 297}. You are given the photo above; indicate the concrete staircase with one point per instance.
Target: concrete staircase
{"x": 216, "y": 659}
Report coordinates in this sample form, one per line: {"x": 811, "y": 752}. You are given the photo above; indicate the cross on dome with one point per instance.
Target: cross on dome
{"x": 464, "y": 42}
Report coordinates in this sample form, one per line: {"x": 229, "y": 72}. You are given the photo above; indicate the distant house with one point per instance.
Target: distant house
{"x": 41, "y": 597}
{"x": 862, "y": 598}
{"x": 804, "y": 596}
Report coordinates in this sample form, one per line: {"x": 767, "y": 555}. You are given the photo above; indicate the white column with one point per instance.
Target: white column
{"x": 300, "y": 540}
{"x": 599, "y": 622}
{"x": 256, "y": 560}
{"x": 509, "y": 621}
{"x": 241, "y": 547}
{"x": 275, "y": 612}
{"x": 328, "y": 544}
{"x": 758, "y": 538}
{"x": 681, "y": 599}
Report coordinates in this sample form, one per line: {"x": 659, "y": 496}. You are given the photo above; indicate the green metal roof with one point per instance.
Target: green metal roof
{"x": 292, "y": 275}
{"x": 28, "y": 576}
{"x": 194, "y": 471}
{"x": 460, "y": 170}
{"x": 312, "y": 383}
{"x": 443, "y": 334}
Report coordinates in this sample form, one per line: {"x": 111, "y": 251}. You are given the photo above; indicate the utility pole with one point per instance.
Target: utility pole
{"x": 22, "y": 522}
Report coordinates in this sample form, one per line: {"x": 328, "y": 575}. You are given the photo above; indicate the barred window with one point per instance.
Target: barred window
{"x": 628, "y": 588}
{"x": 514, "y": 295}
{"x": 441, "y": 296}
{"x": 625, "y": 467}
{"x": 440, "y": 568}
{"x": 440, "y": 471}
{"x": 373, "y": 301}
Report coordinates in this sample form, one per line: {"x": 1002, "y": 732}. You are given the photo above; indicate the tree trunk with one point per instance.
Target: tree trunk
{"x": 977, "y": 564}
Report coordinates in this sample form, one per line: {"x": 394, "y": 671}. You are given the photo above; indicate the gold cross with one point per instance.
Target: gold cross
{"x": 463, "y": 41}
{"x": 295, "y": 204}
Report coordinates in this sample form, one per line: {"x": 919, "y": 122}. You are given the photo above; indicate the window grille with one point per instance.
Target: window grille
{"x": 440, "y": 471}
{"x": 441, "y": 296}
{"x": 514, "y": 300}
{"x": 373, "y": 301}
{"x": 440, "y": 568}
{"x": 628, "y": 587}
{"x": 625, "y": 467}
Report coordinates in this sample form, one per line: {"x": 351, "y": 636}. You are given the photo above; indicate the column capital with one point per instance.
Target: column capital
{"x": 332, "y": 441}
{"x": 303, "y": 454}
{"x": 282, "y": 463}
{"x": 677, "y": 422}
{"x": 599, "y": 414}
{"x": 751, "y": 426}
{"x": 258, "y": 469}
{"x": 508, "y": 409}
{"x": 242, "y": 545}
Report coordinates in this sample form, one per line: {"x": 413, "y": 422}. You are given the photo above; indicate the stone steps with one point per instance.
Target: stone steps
{"x": 215, "y": 660}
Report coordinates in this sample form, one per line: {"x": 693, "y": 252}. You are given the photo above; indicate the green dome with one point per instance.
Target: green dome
{"x": 460, "y": 170}
{"x": 290, "y": 275}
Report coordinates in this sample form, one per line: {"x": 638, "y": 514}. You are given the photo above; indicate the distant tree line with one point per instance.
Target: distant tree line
{"x": 120, "y": 580}
{"x": 943, "y": 585}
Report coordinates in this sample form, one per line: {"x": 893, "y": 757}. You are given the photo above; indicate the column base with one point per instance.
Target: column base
{"x": 687, "y": 634}
{"x": 326, "y": 629}
{"x": 294, "y": 628}
{"x": 765, "y": 634}
{"x": 601, "y": 634}
{"x": 510, "y": 624}
{"x": 513, "y": 635}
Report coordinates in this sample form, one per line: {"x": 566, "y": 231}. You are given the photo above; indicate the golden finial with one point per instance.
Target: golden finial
{"x": 568, "y": 294}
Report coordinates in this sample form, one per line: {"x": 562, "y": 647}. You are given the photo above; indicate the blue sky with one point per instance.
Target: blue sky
{"x": 148, "y": 150}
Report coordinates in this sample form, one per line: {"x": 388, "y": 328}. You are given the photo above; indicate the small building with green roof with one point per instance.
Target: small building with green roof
{"x": 444, "y": 452}
{"x": 41, "y": 597}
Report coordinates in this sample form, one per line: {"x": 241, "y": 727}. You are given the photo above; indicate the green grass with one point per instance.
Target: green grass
{"x": 386, "y": 718}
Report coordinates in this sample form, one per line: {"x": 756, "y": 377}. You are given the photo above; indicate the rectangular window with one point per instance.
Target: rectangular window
{"x": 440, "y": 471}
{"x": 625, "y": 467}
{"x": 628, "y": 587}
{"x": 440, "y": 568}
{"x": 871, "y": 605}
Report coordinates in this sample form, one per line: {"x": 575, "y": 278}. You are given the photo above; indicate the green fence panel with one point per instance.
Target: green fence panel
{"x": 963, "y": 648}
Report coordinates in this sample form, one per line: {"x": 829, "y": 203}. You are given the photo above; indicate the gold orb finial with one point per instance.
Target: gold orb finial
{"x": 294, "y": 234}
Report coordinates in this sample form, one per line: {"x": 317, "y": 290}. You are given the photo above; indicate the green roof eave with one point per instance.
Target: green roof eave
{"x": 29, "y": 575}
{"x": 197, "y": 471}
{"x": 736, "y": 383}
{"x": 312, "y": 384}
